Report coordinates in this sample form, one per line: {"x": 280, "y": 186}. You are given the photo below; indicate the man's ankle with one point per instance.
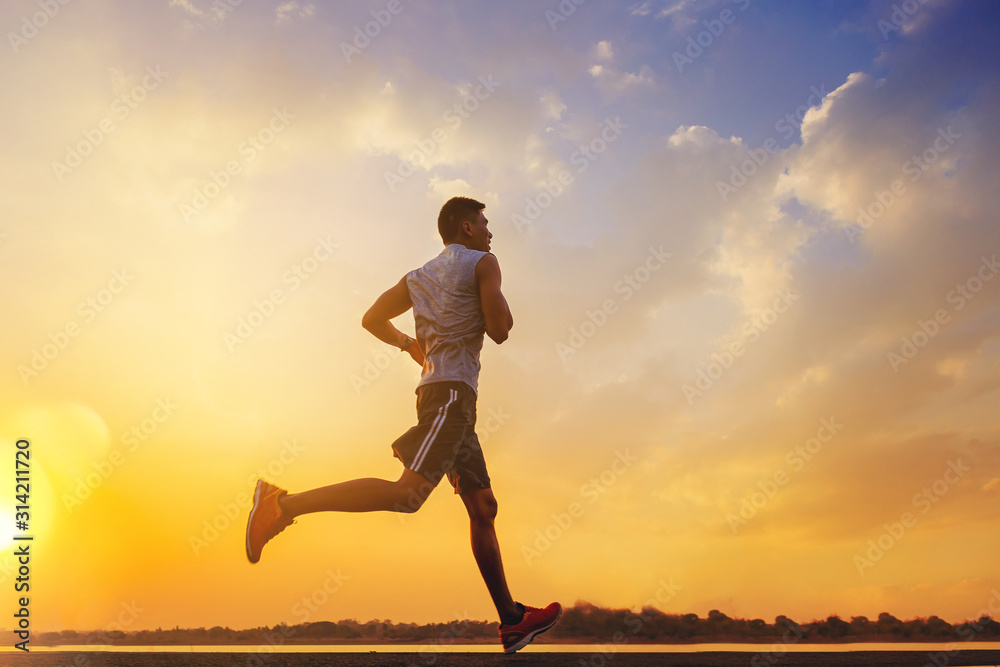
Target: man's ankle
{"x": 515, "y": 616}
{"x": 285, "y": 512}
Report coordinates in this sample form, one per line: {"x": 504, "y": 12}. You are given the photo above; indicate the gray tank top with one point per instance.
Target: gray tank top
{"x": 448, "y": 315}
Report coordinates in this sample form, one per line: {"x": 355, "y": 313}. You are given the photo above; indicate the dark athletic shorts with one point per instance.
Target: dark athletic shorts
{"x": 444, "y": 441}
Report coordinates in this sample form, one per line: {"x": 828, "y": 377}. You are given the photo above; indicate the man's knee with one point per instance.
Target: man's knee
{"x": 411, "y": 495}
{"x": 408, "y": 505}
{"x": 483, "y": 506}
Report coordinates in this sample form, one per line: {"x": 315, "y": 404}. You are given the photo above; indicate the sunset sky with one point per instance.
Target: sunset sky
{"x": 750, "y": 249}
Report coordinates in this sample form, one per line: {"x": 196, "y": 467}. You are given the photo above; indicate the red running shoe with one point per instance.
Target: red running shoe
{"x": 533, "y": 623}
{"x": 265, "y": 519}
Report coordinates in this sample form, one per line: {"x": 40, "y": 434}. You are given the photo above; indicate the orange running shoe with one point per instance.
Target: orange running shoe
{"x": 265, "y": 518}
{"x": 533, "y": 623}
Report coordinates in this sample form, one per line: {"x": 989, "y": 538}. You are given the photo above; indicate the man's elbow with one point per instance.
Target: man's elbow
{"x": 367, "y": 321}
{"x": 498, "y": 336}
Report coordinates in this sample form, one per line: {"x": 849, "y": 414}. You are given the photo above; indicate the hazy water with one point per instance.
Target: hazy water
{"x": 929, "y": 647}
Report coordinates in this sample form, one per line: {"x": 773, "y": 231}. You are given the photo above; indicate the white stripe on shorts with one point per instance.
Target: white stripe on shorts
{"x": 435, "y": 429}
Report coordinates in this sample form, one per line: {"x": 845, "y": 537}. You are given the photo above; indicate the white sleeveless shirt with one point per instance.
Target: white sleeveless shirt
{"x": 449, "y": 315}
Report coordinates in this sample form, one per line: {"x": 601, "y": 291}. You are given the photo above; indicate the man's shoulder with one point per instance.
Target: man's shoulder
{"x": 487, "y": 262}
{"x": 454, "y": 254}
{"x": 463, "y": 253}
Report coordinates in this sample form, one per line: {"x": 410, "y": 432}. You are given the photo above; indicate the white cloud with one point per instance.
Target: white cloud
{"x": 656, "y": 187}
{"x": 187, "y": 7}
{"x": 640, "y": 10}
{"x": 615, "y": 82}
{"x": 675, "y": 7}
{"x": 287, "y": 10}
{"x": 604, "y": 51}
{"x": 552, "y": 105}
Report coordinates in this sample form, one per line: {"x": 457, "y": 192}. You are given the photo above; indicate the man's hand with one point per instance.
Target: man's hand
{"x": 394, "y": 302}
{"x": 416, "y": 353}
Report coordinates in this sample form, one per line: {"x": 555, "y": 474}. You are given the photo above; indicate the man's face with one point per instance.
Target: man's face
{"x": 480, "y": 235}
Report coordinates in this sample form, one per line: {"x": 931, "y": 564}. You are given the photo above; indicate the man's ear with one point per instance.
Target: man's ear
{"x": 466, "y": 227}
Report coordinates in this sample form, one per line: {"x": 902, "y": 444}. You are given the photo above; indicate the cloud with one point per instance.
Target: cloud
{"x": 615, "y": 82}
{"x": 286, "y": 10}
{"x": 674, "y": 7}
{"x": 640, "y": 9}
{"x": 218, "y": 11}
{"x": 788, "y": 226}
{"x": 669, "y": 8}
{"x": 785, "y": 228}
{"x": 604, "y": 51}
{"x": 552, "y": 105}
{"x": 187, "y": 6}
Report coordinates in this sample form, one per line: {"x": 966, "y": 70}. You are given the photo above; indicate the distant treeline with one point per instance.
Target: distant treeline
{"x": 581, "y": 623}
{"x": 586, "y": 621}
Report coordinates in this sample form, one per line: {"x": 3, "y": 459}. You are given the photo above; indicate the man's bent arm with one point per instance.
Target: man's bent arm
{"x": 394, "y": 302}
{"x": 495, "y": 309}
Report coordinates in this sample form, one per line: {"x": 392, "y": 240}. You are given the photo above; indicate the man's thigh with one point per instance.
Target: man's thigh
{"x": 430, "y": 447}
{"x": 469, "y": 471}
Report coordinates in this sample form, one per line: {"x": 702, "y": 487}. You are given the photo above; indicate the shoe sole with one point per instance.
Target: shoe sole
{"x": 256, "y": 503}
{"x": 527, "y": 639}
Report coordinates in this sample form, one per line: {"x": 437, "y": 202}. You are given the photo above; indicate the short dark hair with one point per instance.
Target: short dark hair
{"x": 454, "y": 212}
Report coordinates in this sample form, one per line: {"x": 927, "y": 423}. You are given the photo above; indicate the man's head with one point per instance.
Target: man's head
{"x": 461, "y": 220}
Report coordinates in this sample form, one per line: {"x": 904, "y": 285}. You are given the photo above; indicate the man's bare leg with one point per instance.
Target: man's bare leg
{"x": 369, "y": 494}
{"x": 482, "y": 507}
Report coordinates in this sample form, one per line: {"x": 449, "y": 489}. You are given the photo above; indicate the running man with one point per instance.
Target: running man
{"x": 456, "y": 298}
